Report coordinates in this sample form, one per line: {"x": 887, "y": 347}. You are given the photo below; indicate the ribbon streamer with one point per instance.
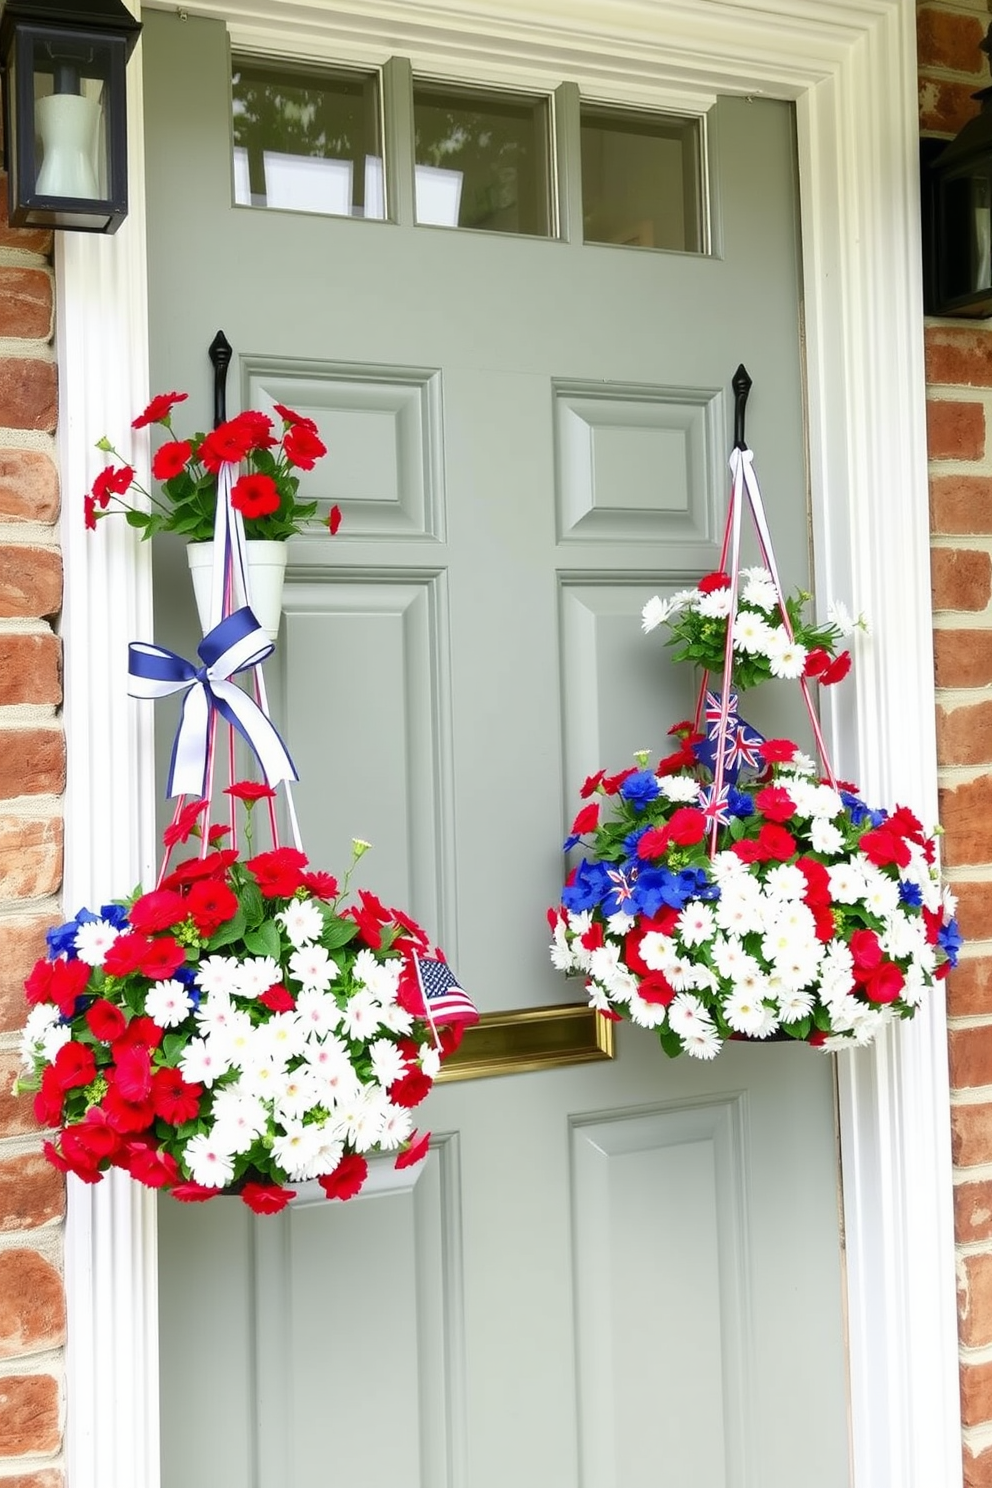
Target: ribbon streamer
{"x": 237, "y": 644}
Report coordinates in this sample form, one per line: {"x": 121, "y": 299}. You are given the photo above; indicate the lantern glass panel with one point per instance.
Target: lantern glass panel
{"x": 70, "y": 125}
{"x": 966, "y": 230}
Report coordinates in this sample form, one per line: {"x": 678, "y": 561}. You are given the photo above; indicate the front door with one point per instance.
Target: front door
{"x": 614, "y": 1274}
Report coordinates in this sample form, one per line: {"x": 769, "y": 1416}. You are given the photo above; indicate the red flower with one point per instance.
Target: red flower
{"x": 255, "y": 427}
{"x": 775, "y": 803}
{"x": 250, "y": 790}
{"x": 212, "y": 904}
{"x": 277, "y": 999}
{"x": 214, "y": 865}
{"x": 302, "y": 446}
{"x": 87, "y": 1144}
{"x": 816, "y": 661}
{"x": 408, "y": 993}
{"x": 74, "y": 1065}
{"x": 709, "y": 582}
{"x": 266, "y": 1198}
{"x": 87, "y": 1174}
{"x": 410, "y": 1089}
{"x": 170, "y": 459}
{"x": 278, "y": 873}
{"x": 106, "y": 1021}
{"x": 656, "y": 988}
{"x": 747, "y": 851}
{"x": 255, "y": 496}
{"x": 89, "y": 512}
{"x": 652, "y": 844}
{"x": 867, "y": 952}
{"x": 151, "y": 1165}
{"x": 50, "y": 1099}
{"x": 883, "y": 846}
{"x": 686, "y": 826}
{"x": 837, "y": 670}
{"x": 126, "y": 954}
{"x": 587, "y": 819}
{"x": 134, "y": 1073}
{"x": 158, "y": 409}
{"x": 591, "y": 784}
{"x": 885, "y": 984}
{"x": 825, "y": 926}
{"x": 193, "y": 1193}
{"x": 290, "y": 416}
{"x": 127, "y": 1116}
{"x": 775, "y": 843}
{"x": 159, "y": 909}
{"x": 229, "y": 443}
{"x": 162, "y": 959}
{"x": 593, "y": 936}
{"x": 347, "y": 1178}
{"x": 683, "y": 760}
{"x": 778, "y": 751}
{"x": 141, "y": 1033}
{"x": 334, "y": 520}
{"x": 180, "y": 829}
{"x": 113, "y": 480}
{"x": 370, "y": 914}
{"x": 414, "y": 1151}
{"x": 612, "y": 783}
{"x": 321, "y": 885}
{"x": 817, "y": 882}
{"x": 175, "y": 1100}
{"x": 61, "y": 982}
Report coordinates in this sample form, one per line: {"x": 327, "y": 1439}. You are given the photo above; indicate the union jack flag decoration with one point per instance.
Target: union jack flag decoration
{"x": 715, "y": 807}
{"x": 741, "y": 740}
{"x": 446, "y": 1001}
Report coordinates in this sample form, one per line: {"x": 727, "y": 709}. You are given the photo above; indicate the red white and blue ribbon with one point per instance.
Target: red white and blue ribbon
{"x": 236, "y": 644}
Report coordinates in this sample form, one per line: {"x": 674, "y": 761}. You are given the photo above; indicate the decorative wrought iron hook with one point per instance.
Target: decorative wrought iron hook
{"x": 220, "y": 352}
{"x": 741, "y": 385}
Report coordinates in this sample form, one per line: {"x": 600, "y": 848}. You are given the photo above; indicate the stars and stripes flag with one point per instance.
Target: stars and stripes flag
{"x": 446, "y": 1001}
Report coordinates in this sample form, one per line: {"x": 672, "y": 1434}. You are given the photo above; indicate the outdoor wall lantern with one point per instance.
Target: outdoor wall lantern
{"x": 957, "y": 216}
{"x": 64, "y": 111}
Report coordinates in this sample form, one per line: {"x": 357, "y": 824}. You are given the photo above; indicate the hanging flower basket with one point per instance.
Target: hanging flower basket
{"x": 735, "y": 889}
{"x": 238, "y": 1029}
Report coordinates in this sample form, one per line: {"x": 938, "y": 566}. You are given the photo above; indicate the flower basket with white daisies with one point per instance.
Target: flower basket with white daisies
{"x": 735, "y": 889}
{"x": 238, "y": 1029}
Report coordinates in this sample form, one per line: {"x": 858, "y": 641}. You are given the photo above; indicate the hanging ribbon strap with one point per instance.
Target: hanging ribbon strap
{"x": 235, "y": 645}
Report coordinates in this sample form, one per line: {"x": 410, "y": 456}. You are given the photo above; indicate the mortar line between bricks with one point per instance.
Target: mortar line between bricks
{"x": 979, "y": 1173}
{"x": 980, "y": 1354}
{"x": 964, "y": 1021}
{"x": 967, "y": 1249}
{"x": 30, "y": 349}
{"x": 46, "y": 1361}
{"x": 977, "y": 1438}
{"x": 23, "y": 258}
{"x": 46, "y": 1240}
{"x": 971, "y": 1095}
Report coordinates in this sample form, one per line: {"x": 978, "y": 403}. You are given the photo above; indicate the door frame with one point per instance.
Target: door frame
{"x": 850, "y": 67}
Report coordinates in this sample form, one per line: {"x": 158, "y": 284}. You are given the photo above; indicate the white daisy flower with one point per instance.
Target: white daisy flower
{"x": 218, "y": 974}
{"x": 751, "y": 634}
{"x": 51, "y": 1041}
{"x": 731, "y": 959}
{"x": 657, "y": 611}
{"x": 394, "y": 1018}
{"x": 299, "y": 1094}
{"x": 42, "y": 1017}
{"x": 785, "y": 658}
{"x": 282, "y": 1037}
{"x": 388, "y": 1064}
{"x": 313, "y": 968}
{"x": 365, "y": 1116}
{"x": 331, "y": 1063}
{"x": 263, "y": 1078}
{"x": 317, "y": 1012}
{"x": 257, "y": 975}
{"x": 214, "y": 1014}
{"x": 168, "y": 1003}
{"x": 397, "y": 1124}
{"x": 838, "y": 614}
{"x": 847, "y": 882}
{"x": 794, "y": 1004}
{"x": 361, "y": 1015}
{"x": 619, "y": 924}
{"x": 824, "y": 837}
{"x": 296, "y": 1150}
{"x": 881, "y": 894}
{"x": 93, "y": 941}
{"x": 679, "y": 788}
{"x": 202, "y": 1062}
{"x": 330, "y": 1150}
{"x": 209, "y": 1160}
{"x": 646, "y": 1014}
{"x": 242, "y": 1117}
{"x": 658, "y": 951}
{"x": 302, "y": 921}
{"x": 430, "y": 1060}
{"x": 702, "y": 1043}
{"x": 380, "y": 977}
{"x": 715, "y": 605}
{"x": 696, "y": 924}
{"x": 759, "y": 590}
{"x": 687, "y": 1015}
{"x": 785, "y": 881}
{"x": 744, "y": 1013}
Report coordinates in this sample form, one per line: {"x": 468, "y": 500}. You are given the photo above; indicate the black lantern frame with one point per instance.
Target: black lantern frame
{"x": 52, "y": 52}
{"x": 956, "y": 203}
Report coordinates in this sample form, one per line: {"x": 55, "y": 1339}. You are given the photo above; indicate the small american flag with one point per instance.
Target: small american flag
{"x": 446, "y": 1001}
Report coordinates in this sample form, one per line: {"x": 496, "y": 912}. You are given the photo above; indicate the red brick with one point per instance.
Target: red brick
{"x": 970, "y": 1054}
{"x": 951, "y": 41}
{"x": 969, "y": 986}
{"x": 976, "y": 1393}
{"x": 960, "y": 504}
{"x": 30, "y": 582}
{"x": 966, "y": 816}
{"x": 28, "y": 394}
{"x": 975, "y": 1301}
{"x": 962, "y": 658}
{"x": 16, "y": 1111}
{"x": 30, "y": 668}
{"x": 32, "y": 762}
{"x": 971, "y": 1135}
{"x": 29, "y": 1415}
{"x": 958, "y": 357}
{"x": 32, "y": 1193}
{"x": 977, "y": 1470}
{"x": 973, "y": 1211}
{"x": 960, "y": 578}
{"x": 964, "y": 735}
{"x": 47, "y": 1477}
{"x": 25, "y": 303}
{"x": 29, "y": 486}
{"x": 27, "y": 239}
{"x": 22, "y": 941}
{"x": 974, "y": 909}
{"x": 945, "y": 107}
{"x": 30, "y": 857}
{"x": 955, "y": 431}
{"x": 32, "y": 1304}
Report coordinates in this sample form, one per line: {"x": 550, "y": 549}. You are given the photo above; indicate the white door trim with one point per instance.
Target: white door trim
{"x": 850, "y": 65}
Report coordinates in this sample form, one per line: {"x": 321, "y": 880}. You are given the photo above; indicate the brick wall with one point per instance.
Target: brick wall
{"x": 32, "y": 778}
{"x": 959, "y": 391}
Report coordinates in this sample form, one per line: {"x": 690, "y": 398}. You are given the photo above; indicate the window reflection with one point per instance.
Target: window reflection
{"x": 641, "y": 179}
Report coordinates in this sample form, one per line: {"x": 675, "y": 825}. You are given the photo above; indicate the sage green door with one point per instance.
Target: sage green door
{"x": 611, "y": 1274}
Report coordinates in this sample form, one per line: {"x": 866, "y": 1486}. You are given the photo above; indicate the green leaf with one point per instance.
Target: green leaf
{"x": 338, "y": 932}
{"x": 227, "y": 934}
{"x": 252, "y": 902}
{"x": 264, "y": 940}
{"x": 670, "y": 1042}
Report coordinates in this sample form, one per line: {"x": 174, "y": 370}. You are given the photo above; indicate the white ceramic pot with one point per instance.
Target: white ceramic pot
{"x": 266, "y": 575}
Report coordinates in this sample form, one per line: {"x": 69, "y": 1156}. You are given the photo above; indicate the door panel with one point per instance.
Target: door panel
{"x": 612, "y": 1275}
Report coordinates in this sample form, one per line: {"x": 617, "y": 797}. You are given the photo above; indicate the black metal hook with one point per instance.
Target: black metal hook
{"x": 741, "y": 385}
{"x": 220, "y": 352}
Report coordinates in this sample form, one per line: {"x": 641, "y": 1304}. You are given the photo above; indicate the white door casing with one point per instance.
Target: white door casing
{"x": 851, "y": 69}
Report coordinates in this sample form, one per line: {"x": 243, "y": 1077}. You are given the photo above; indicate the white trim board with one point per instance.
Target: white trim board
{"x": 850, "y": 66}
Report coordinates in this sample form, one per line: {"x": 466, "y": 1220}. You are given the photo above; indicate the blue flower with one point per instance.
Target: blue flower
{"x": 949, "y": 939}
{"x": 910, "y": 893}
{"x": 114, "y": 914}
{"x": 61, "y": 940}
{"x": 640, "y": 788}
{"x": 622, "y": 878}
{"x": 632, "y": 839}
{"x": 740, "y": 803}
{"x": 588, "y": 887}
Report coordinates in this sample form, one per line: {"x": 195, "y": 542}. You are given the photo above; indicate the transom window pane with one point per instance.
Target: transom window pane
{"x": 641, "y": 179}
{"x": 482, "y": 160}
{"x": 307, "y": 140}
